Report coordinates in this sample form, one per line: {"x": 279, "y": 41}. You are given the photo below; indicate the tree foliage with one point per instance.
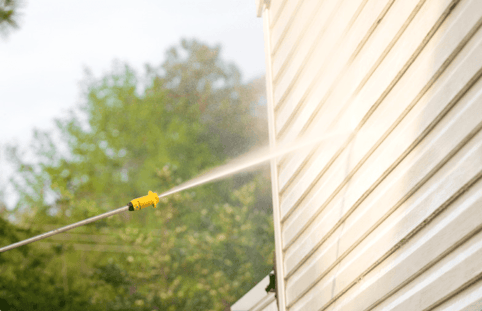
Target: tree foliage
{"x": 8, "y": 16}
{"x": 29, "y": 279}
{"x": 201, "y": 249}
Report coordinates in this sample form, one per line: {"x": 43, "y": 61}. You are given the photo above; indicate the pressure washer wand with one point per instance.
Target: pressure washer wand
{"x": 151, "y": 199}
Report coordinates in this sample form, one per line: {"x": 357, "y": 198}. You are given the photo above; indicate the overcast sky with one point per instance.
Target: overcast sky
{"x": 41, "y": 64}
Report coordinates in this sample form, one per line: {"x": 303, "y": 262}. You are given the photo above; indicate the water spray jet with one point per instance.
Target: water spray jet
{"x": 237, "y": 165}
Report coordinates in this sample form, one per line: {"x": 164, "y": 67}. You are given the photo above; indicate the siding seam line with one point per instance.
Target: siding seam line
{"x": 434, "y": 261}
{"x": 414, "y": 189}
{"x": 378, "y": 103}
{"x": 320, "y": 34}
{"x": 357, "y": 90}
{"x": 463, "y": 287}
{"x": 286, "y": 29}
{"x": 350, "y": 60}
{"x": 275, "y": 19}
{"x": 405, "y": 240}
{"x": 416, "y": 141}
{"x": 297, "y": 43}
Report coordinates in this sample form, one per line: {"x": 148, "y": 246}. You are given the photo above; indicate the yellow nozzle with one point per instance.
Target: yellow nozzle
{"x": 150, "y": 199}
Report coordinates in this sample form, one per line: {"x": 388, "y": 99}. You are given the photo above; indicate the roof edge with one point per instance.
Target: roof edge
{"x": 259, "y": 6}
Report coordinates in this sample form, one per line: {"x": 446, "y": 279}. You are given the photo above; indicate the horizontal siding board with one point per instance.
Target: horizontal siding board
{"x": 335, "y": 98}
{"x": 411, "y": 217}
{"x": 336, "y": 20}
{"x": 275, "y": 8}
{"x": 330, "y": 146}
{"x": 330, "y": 67}
{"x": 438, "y": 286}
{"x": 309, "y": 41}
{"x": 289, "y": 168}
{"x": 388, "y": 216}
{"x": 330, "y": 179}
{"x": 437, "y": 146}
{"x": 446, "y": 183}
{"x": 304, "y": 20}
{"x": 328, "y": 60}
{"x": 442, "y": 235}
{"x": 342, "y": 97}
{"x": 468, "y": 300}
{"x": 441, "y": 280}
{"x": 445, "y": 91}
{"x": 284, "y": 23}
{"x": 345, "y": 91}
{"x": 369, "y": 136}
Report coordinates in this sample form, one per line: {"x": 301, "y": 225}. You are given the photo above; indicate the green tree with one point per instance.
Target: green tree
{"x": 200, "y": 249}
{"x": 8, "y": 16}
{"x": 29, "y": 281}
{"x": 227, "y": 107}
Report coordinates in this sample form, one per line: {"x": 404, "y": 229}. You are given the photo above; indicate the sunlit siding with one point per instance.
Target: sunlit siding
{"x": 389, "y": 215}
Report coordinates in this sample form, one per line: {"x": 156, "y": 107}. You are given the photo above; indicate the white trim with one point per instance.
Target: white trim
{"x": 274, "y": 168}
{"x": 259, "y": 7}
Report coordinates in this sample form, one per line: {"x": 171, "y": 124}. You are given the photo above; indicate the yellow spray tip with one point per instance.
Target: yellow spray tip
{"x": 150, "y": 199}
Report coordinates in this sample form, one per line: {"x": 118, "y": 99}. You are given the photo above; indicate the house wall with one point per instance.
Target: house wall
{"x": 389, "y": 214}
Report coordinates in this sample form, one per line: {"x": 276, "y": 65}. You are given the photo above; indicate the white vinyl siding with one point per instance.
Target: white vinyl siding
{"x": 389, "y": 215}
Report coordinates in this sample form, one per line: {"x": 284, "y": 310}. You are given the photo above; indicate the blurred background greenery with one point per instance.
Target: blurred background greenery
{"x": 201, "y": 249}
{"x": 9, "y": 14}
